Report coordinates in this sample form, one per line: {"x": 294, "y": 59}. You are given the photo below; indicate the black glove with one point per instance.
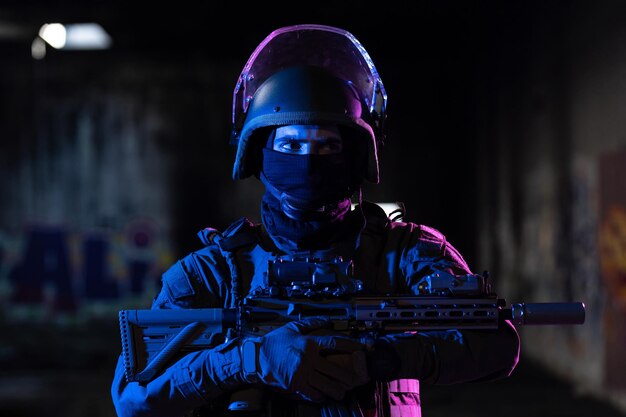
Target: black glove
{"x": 295, "y": 360}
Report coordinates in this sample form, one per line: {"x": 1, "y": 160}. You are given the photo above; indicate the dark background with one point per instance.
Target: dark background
{"x": 437, "y": 61}
{"x": 505, "y": 133}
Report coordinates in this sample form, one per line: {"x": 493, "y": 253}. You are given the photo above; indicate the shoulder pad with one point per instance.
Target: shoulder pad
{"x": 433, "y": 238}
{"x": 207, "y": 235}
{"x": 432, "y": 235}
{"x": 177, "y": 282}
{"x": 431, "y": 242}
{"x": 238, "y": 234}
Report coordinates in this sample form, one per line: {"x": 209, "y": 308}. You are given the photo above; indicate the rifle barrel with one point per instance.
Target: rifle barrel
{"x": 546, "y": 313}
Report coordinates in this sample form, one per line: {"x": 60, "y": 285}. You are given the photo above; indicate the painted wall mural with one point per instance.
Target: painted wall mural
{"x": 612, "y": 250}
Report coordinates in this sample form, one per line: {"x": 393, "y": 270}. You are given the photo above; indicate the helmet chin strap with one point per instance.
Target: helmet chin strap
{"x": 303, "y": 210}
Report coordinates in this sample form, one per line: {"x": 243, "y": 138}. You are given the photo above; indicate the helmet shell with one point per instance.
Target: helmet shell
{"x": 304, "y": 95}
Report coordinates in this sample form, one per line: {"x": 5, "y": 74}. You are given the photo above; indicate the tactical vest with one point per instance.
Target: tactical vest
{"x": 398, "y": 398}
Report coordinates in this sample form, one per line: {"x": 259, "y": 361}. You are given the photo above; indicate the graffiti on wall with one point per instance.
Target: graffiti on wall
{"x": 56, "y": 270}
{"x": 612, "y": 252}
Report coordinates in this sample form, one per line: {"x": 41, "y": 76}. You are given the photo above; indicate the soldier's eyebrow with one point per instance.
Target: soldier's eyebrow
{"x": 305, "y": 139}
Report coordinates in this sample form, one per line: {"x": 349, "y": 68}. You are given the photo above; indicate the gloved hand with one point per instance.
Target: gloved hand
{"x": 295, "y": 360}
{"x": 445, "y": 356}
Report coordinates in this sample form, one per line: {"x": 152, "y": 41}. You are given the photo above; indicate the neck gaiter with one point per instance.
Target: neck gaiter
{"x": 307, "y": 197}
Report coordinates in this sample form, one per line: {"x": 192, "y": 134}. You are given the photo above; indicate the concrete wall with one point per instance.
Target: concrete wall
{"x": 554, "y": 174}
{"x": 120, "y": 151}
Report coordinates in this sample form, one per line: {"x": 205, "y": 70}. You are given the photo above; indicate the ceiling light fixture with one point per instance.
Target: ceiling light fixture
{"x": 83, "y": 36}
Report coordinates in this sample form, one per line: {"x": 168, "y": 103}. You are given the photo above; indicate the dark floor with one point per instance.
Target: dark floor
{"x": 66, "y": 372}
{"x": 530, "y": 392}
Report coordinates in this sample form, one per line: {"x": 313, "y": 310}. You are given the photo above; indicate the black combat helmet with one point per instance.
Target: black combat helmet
{"x": 308, "y": 74}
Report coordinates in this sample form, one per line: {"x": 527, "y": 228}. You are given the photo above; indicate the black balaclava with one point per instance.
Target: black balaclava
{"x": 307, "y": 199}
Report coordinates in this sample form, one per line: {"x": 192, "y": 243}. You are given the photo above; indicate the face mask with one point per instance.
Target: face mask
{"x": 291, "y": 234}
{"x": 307, "y": 185}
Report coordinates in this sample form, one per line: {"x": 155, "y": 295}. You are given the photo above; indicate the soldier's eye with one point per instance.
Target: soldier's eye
{"x": 290, "y": 145}
{"x": 293, "y": 145}
{"x": 333, "y": 146}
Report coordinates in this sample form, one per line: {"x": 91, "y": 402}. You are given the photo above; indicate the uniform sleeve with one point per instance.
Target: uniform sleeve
{"x": 447, "y": 356}
{"x": 193, "y": 381}
{"x": 200, "y": 280}
{"x": 198, "y": 378}
{"x": 451, "y": 356}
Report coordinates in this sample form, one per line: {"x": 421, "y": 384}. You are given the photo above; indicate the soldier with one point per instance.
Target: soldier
{"x": 308, "y": 122}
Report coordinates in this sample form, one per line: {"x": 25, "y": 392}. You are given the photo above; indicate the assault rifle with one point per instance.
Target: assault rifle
{"x": 297, "y": 289}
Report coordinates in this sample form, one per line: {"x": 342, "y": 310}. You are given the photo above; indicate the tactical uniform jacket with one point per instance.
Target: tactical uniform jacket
{"x": 391, "y": 259}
